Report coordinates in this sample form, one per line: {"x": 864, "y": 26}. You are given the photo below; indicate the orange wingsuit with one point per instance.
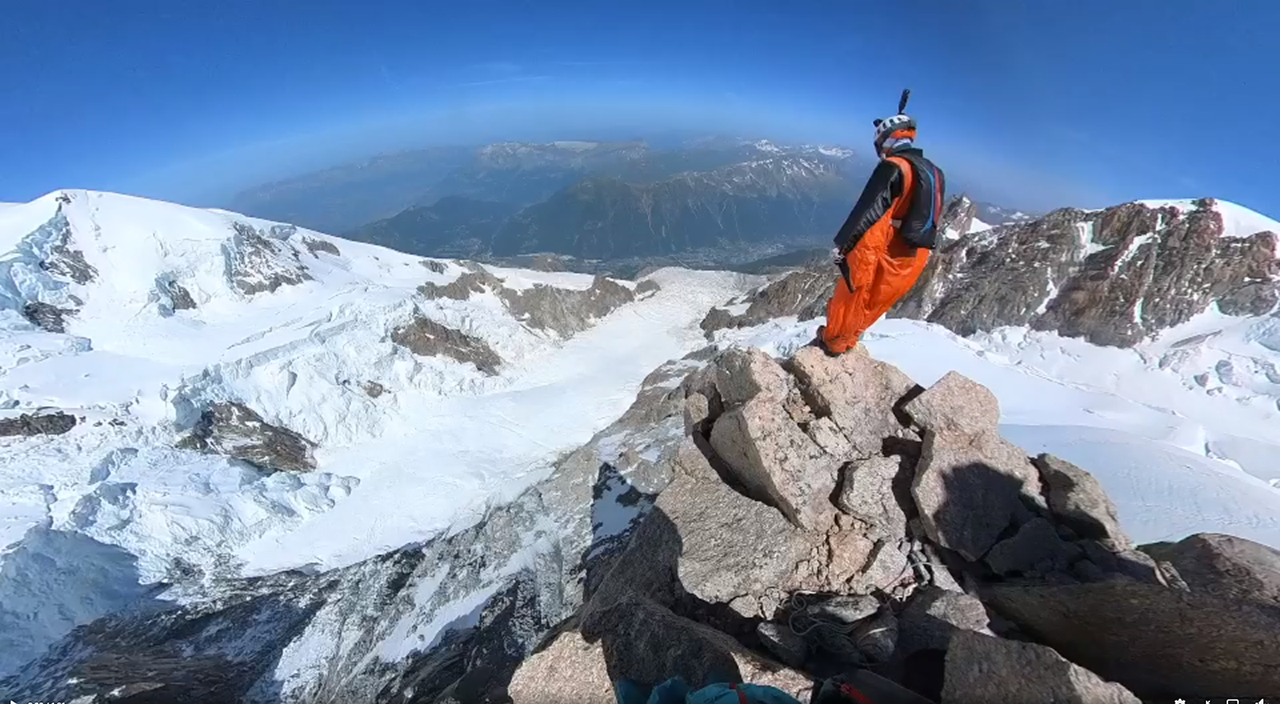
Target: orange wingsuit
{"x": 882, "y": 267}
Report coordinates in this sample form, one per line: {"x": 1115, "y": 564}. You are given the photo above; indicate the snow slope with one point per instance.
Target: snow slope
{"x": 1175, "y": 460}
{"x": 443, "y": 439}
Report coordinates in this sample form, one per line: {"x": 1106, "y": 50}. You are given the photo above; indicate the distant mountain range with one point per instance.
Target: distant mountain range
{"x": 595, "y": 200}
{"x": 724, "y": 201}
{"x": 347, "y": 196}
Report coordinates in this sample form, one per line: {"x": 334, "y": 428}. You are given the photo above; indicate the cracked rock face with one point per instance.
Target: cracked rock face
{"x": 235, "y": 430}
{"x": 424, "y": 336}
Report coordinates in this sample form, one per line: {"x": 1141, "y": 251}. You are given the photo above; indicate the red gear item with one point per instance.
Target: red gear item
{"x": 882, "y": 268}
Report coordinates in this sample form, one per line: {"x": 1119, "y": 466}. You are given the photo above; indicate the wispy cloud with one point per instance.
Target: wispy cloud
{"x": 497, "y": 68}
{"x": 1069, "y": 134}
{"x": 511, "y": 79}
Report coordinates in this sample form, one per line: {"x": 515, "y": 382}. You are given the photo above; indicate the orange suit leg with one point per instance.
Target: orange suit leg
{"x": 846, "y": 308}
{"x": 898, "y": 271}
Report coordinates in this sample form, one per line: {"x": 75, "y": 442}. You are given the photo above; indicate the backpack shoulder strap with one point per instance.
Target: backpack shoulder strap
{"x": 903, "y": 205}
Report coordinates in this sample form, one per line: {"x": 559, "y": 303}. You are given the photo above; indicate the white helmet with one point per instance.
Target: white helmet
{"x": 904, "y": 126}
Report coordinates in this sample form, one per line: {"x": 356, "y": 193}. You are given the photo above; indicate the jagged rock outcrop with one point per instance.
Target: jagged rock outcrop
{"x": 1224, "y": 565}
{"x": 424, "y": 336}
{"x": 1113, "y": 276}
{"x": 433, "y": 265}
{"x": 958, "y": 216}
{"x": 881, "y": 595}
{"x": 262, "y": 262}
{"x": 42, "y": 423}
{"x": 235, "y": 430}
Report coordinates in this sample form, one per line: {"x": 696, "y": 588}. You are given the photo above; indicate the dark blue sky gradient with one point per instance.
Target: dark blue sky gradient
{"x": 1037, "y": 103}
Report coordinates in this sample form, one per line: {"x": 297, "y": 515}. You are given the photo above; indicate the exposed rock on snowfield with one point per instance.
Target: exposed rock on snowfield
{"x": 45, "y": 316}
{"x": 62, "y": 259}
{"x": 562, "y": 310}
{"x": 424, "y": 336}
{"x": 175, "y": 295}
{"x": 261, "y": 262}
{"x": 434, "y": 266}
{"x": 802, "y": 294}
{"x": 647, "y": 286}
{"x": 234, "y": 430}
{"x": 29, "y": 424}
{"x": 566, "y": 311}
{"x": 1224, "y": 565}
{"x": 315, "y": 246}
{"x": 476, "y": 280}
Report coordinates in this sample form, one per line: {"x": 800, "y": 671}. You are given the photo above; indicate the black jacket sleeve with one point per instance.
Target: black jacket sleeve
{"x": 884, "y": 186}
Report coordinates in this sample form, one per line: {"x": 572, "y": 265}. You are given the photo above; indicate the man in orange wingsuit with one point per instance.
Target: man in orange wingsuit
{"x": 884, "y": 245}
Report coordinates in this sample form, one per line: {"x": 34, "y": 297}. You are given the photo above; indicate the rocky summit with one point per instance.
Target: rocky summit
{"x": 775, "y": 521}
{"x": 1112, "y": 277}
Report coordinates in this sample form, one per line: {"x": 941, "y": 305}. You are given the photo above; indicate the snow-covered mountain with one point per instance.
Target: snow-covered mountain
{"x": 258, "y": 463}
{"x": 422, "y": 389}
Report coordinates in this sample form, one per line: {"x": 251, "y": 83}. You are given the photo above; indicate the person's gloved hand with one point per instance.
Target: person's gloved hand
{"x": 837, "y": 257}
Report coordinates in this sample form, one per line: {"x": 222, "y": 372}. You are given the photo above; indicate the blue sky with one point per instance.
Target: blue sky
{"x": 1036, "y": 103}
